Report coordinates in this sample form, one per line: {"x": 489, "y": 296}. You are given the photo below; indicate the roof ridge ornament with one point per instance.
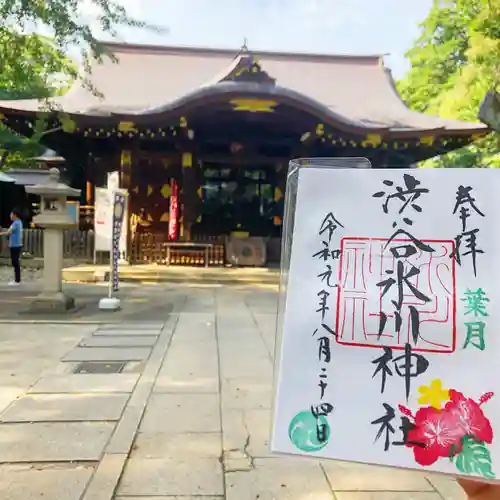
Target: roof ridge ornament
{"x": 247, "y": 68}
{"x": 244, "y": 47}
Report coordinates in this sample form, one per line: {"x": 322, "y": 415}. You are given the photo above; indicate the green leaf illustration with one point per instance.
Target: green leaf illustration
{"x": 453, "y": 452}
{"x": 474, "y": 458}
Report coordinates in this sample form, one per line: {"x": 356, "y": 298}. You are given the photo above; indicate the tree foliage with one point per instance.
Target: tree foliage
{"x": 18, "y": 151}
{"x": 41, "y": 71}
{"x": 35, "y": 66}
{"x": 454, "y": 62}
{"x": 69, "y": 23}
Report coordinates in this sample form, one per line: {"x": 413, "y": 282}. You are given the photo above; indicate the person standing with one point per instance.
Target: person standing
{"x": 15, "y": 234}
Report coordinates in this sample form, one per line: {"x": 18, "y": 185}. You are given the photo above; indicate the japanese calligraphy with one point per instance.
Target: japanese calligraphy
{"x": 388, "y": 345}
{"x": 327, "y": 229}
{"x": 386, "y": 429}
{"x": 363, "y": 265}
{"x": 402, "y": 245}
{"x": 407, "y": 366}
{"x": 466, "y": 242}
{"x": 401, "y": 280}
{"x": 476, "y": 308}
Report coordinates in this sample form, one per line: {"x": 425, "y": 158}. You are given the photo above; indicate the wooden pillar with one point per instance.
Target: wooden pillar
{"x": 89, "y": 193}
{"x": 189, "y": 180}
{"x": 125, "y": 169}
{"x": 188, "y": 195}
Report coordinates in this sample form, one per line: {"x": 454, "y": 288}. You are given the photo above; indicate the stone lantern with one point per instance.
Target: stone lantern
{"x": 53, "y": 219}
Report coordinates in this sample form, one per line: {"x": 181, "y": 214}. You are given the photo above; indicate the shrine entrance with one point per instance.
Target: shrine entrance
{"x": 238, "y": 198}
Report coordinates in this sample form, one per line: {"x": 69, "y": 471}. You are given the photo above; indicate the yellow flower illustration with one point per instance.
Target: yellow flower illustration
{"x": 434, "y": 395}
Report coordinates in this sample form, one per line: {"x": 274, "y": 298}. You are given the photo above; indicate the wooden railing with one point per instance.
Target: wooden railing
{"x": 86, "y": 217}
{"x": 154, "y": 248}
{"x": 76, "y": 244}
{"x": 146, "y": 249}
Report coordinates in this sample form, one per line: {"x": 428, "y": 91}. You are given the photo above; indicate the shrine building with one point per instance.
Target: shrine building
{"x": 201, "y": 139}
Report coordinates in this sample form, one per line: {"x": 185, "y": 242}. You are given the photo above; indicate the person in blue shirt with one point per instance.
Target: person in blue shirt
{"x": 15, "y": 234}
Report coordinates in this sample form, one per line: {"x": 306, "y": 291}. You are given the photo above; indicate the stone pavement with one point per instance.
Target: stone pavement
{"x": 136, "y": 300}
{"x": 187, "y": 418}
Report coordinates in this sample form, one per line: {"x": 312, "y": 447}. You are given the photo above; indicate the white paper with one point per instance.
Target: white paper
{"x": 103, "y": 222}
{"x": 459, "y": 434}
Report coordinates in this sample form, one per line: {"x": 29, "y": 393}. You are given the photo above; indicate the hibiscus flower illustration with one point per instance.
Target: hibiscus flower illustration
{"x": 434, "y": 434}
{"x": 469, "y": 416}
{"x": 439, "y": 432}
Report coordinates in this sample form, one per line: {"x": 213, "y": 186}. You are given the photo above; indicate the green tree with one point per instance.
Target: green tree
{"x": 37, "y": 69}
{"x": 48, "y": 75}
{"x": 67, "y": 25}
{"x": 35, "y": 66}
{"x": 454, "y": 62}
{"x": 17, "y": 151}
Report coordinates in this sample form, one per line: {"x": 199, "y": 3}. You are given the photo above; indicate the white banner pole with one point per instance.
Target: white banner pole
{"x": 111, "y": 303}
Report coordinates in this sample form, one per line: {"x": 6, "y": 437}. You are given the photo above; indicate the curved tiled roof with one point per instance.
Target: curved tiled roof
{"x": 355, "y": 90}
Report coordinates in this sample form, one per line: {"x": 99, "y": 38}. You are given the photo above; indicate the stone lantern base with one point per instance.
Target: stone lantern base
{"x": 53, "y": 218}
{"x": 51, "y": 303}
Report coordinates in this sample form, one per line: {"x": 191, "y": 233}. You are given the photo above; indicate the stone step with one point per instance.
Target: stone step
{"x": 171, "y": 274}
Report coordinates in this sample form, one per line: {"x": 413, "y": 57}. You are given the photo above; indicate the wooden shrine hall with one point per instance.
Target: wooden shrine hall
{"x": 201, "y": 139}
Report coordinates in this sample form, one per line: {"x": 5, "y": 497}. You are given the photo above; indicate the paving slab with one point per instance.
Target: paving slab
{"x": 387, "y": 495}
{"x": 152, "y": 307}
{"x": 122, "y": 341}
{"x": 448, "y": 488}
{"x": 236, "y": 365}
{"x": 191, "y": 383}
{"x": 86, "y": 383}
{"x": 187, "y": 357}
{"x": 108, "y": 354}
{"x": 106, "y": 477}
{"x": 136, "y": 332}
{"x": 176, "y": 454}
{"x": 189, "y": 370}
{"x": 66, "y": 408}
{"x": 248, "y": 347}
{"x": 238, "y": 425}
{"x": 132, "y": 326}
{"x": 228, "y": 332}
{"x": 28, "y": 352}
{"x": 183, "y": 497}
{"x": 281, "y": 478}
{"x": 54, "y": 442}
{"x": 266, "y": 320}
{"x": 170, "y": 477}
{"x": 247, "y": 393}
{"x": 356, "y": 477}
{"x": 193, "y": 337}
{"x": 182, "y": 413}
{"x": 55, "y": 482}
{"x": 164, "y": 445}
{"x": 127, "y": 428}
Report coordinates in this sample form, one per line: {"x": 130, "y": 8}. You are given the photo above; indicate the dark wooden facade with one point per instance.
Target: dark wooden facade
{"x": 226, "y": 144}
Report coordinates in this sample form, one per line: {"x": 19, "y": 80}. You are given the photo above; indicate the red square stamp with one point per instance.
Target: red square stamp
{"x": 364, "y": 264}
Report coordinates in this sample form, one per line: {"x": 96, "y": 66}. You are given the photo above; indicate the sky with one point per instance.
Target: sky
{"x": 320, "y": 26}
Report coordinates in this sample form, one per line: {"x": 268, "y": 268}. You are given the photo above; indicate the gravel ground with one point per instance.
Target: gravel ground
{"x": 28, "y": 275}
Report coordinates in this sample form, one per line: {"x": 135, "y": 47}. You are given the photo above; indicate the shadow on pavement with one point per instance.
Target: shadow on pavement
{"x": 137, "y": 304}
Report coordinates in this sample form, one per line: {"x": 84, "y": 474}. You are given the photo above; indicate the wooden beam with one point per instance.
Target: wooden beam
{"x": 244, "y": 159}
